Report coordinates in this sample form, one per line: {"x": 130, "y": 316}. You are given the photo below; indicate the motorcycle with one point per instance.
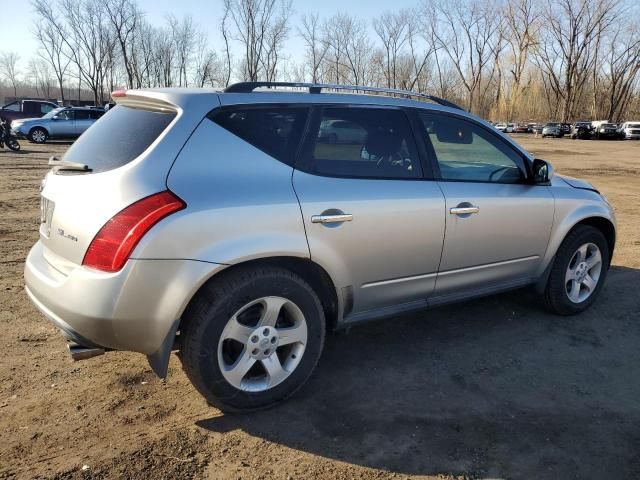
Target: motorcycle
{"x": 7, "y": 138}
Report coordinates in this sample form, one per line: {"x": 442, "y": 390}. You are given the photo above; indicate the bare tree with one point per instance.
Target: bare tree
{"x": 465, "y": 30}
{"x": 86, "y": 38}
{"x": 393, "y": 31}
{"x": 316, "y": 46}
{"x": 260, "y": 26}
{"x": 349, "y": 49}
{"x": 183, "y": 35}
{"x": 50, "y": 35}
{"x": 124, "y": 17}
{"x": 40, "y": 73}
{"x": 522, "y": 22}
{"x": 623, "y": 67}
{"x": 224, "y": 30}
{"x": 9, "y": 69}
{"x": 513, "y": 59}
{"x": 566, "y": 48}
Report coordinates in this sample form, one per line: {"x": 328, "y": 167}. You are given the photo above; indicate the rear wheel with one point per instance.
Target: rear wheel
{"x": 38, "y": 135}
{"x": 578, "y": 271}
{"x": 252, "y": 338}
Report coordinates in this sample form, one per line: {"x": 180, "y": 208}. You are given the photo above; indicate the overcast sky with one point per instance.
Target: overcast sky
{"x": 17, "y": 19}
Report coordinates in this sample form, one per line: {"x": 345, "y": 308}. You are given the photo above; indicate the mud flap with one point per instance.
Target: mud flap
{"x": 159, "y": 361}
{"x": 541, "y": 284}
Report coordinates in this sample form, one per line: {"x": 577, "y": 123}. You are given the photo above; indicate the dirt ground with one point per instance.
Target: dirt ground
{"x": 494, "y": 388}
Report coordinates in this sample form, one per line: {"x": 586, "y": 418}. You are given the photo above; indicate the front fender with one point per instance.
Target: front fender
{"x": 569, "y": 212}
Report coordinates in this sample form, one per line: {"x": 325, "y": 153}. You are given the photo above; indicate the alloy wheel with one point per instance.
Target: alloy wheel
{"x": 38, "y": 136}
{"x": 262, "y": 344}
{"x": 583, "y": 272}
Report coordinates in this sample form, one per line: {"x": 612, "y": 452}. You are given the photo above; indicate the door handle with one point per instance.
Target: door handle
{"x": 464, "y": 210}
{"x": 337, "y": 218}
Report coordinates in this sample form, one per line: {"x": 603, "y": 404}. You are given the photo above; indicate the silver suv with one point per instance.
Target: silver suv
{"x": 231, "y": 227}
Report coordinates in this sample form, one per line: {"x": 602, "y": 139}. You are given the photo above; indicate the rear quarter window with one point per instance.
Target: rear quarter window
{"x": 274, "y": 130}
{"x": 118, "y": 137}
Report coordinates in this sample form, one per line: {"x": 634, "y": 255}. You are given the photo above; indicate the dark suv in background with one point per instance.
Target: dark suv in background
{"x": 26, "y": 109}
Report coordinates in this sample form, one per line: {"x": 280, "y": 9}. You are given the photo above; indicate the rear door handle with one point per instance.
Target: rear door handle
{"x": 464, "y": 210}
{"x": 337, "y": 218}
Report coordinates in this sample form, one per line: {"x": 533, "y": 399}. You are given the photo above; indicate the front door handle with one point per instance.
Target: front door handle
{"x": 464, "y": 210}
{"x": 337, "y": 218}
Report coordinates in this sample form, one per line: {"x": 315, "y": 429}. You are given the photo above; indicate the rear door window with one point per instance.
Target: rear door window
{"x": 363, "y": 143}
{"x": 118, "y": 137}
{"x": 274, "y": 130}
{"x": 81, "y": 114}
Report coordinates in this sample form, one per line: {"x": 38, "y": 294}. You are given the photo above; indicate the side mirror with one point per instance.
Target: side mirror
{"x": 542, "y": 171}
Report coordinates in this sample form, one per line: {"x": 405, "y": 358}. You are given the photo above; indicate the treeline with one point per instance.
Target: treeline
{"x": 502, "y": 59}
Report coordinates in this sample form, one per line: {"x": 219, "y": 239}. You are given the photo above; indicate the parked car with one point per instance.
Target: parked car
{"x": 341, "y": 131}
{"x": 537, "y": 128}
{"x": 63, "y": 122}
{"x": 521, "y": 128}
{"x": 25, "y": 109}
{"x": 631, "y": 130}
{"x": 501, "y": 126}
{"x": 582, "y": 131}
{"x": 566, "y": 128}
{"x": 219, "y": 224}
{"x": 553, "y": 129}
{"x": 607, "y": 131}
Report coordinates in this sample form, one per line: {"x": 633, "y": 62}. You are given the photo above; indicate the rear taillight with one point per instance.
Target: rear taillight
{"x": 111, "y": 247}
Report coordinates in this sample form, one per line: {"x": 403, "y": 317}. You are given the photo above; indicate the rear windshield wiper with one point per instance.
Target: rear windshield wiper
{"x": 67, "y": 166}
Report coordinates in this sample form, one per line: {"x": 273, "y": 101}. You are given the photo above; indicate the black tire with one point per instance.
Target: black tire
{"x": 13, "y": 144}
{"x": 38, "y": 135}
{"x": 555, "y": 294}
{"x": 207, "y": 316}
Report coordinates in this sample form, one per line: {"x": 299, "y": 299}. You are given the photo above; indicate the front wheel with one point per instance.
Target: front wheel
{"x": 578, "y": 271}
{"x": 13, "y": 144}
{"x": 38, "y": 135}
{"x": 252, "y": 338}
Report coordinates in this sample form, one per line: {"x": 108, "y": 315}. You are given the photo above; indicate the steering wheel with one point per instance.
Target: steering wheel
{"x": 496, "y": 171}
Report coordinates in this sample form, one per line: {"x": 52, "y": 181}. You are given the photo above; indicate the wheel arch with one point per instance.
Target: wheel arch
{"x": 317, "y": 277}
{"x": 600, "y": 222}
{"x": 605, "y": 226}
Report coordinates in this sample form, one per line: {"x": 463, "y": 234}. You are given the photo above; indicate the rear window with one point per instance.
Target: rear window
{"x": 118, "y": 137}
{"x": 274, "y": 130}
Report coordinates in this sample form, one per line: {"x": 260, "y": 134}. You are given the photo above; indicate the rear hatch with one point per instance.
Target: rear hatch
{"x": 124, "y": 157}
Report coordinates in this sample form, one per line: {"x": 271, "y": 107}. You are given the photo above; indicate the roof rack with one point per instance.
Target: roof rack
{"x": 248, "y": 87}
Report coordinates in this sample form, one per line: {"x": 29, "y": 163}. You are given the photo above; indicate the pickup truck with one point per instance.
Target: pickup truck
{"x": 26, "y": 109}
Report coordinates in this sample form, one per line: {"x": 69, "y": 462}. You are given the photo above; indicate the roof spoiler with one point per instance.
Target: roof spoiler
{"x": 147, "y": 100}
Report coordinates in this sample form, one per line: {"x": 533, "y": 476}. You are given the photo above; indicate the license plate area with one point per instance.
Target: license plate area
{"x": 46, "y": 214}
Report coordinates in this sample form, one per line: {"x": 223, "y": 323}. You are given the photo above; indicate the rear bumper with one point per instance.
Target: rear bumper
{"x": 135, "y": 309}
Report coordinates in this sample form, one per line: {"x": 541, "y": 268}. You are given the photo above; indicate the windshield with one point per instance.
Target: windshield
{"x": 609, "y": 125}
{"x": 54, "y": 112}
{"x": 633, "y": 125}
